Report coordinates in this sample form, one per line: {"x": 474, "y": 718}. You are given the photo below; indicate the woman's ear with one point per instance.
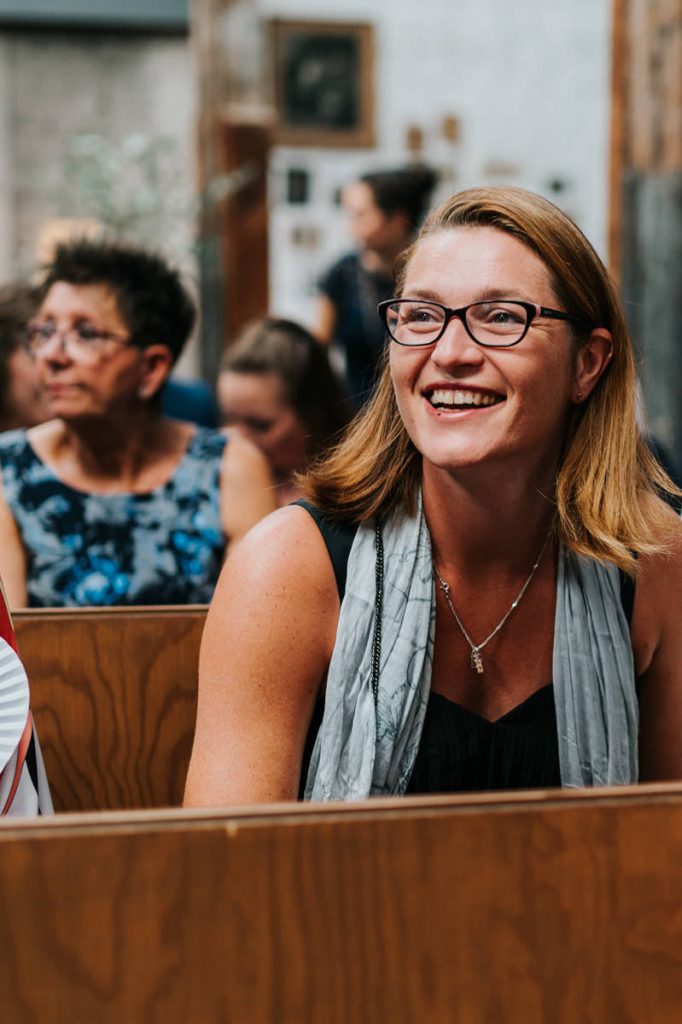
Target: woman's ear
{"x": 156, "y": 367}
{"x": 592, "y": 359}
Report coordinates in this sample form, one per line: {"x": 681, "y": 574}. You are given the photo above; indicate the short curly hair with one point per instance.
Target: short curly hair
{"x": 151, "y": 297}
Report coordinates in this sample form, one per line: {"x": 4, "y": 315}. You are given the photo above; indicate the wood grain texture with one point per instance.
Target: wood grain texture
{"x": 113, "y": 694}
{"x": 556, "y": 910}
{"x": 654, "y": 85}
{"x": 617, "y": 146}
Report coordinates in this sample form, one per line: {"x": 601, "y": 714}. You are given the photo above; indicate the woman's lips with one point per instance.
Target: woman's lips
{"x": 461, "y": 398}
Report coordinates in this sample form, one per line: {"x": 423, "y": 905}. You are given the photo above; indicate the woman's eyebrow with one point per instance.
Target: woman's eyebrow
{"x": 423, "y": 293}
{"x": 482, "y": 295}
{"x": 497, "y": 293}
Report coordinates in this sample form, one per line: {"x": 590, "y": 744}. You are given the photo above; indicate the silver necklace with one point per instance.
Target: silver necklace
{"x": 476, "y": 659}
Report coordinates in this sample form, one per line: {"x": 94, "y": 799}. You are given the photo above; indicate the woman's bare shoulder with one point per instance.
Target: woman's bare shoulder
{"x": 668, "y": 559}
{"x": 45, "y": 437}
{"x": 284, "y": 552}
{"x": 289, "y": 525}
{"x": 239, "y": 448}
{"x": 247, "y": 488}
{"x": 243, "y": 462}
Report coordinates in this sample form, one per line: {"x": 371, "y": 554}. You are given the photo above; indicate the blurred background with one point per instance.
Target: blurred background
{"x": 222, "y": 132}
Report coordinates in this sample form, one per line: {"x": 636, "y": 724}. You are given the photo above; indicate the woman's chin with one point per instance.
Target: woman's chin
{"x": 457, "y": 458}
{"x": 72, "y": 412}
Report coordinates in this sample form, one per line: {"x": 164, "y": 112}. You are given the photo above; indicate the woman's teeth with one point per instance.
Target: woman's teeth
{"x": 450, "y": 399}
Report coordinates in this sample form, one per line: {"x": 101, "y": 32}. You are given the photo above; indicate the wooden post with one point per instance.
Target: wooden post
{"x": 233, "y": 142}
{"x": 619, "y": 14}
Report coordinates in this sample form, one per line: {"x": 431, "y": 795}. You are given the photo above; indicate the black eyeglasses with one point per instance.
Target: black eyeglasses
{"x": 495, "y": 323}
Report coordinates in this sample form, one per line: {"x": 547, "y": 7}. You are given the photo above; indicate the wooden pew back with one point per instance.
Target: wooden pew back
{"x": 113, "y": 693}
{"x": 563, "y": 910}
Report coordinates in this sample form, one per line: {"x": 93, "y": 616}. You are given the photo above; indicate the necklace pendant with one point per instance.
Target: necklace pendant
{"x": 476, "y": 661}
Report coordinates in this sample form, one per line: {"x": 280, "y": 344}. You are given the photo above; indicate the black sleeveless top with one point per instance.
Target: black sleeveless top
{"x": 459, "y": 751}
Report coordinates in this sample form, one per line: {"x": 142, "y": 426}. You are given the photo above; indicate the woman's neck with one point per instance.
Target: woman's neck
{"x": 380, "y": 261}
{"x": 113, "y": 452}
{"x": 497, "y": 523}
{"x": 287, "y": 491}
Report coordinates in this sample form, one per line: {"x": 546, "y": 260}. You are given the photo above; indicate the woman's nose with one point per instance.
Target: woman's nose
{"x": 55, "y": 349}
{"x": 456, "y": 346}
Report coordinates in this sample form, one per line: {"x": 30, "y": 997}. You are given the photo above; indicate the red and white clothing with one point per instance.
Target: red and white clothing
{"x": 23, "y": 784}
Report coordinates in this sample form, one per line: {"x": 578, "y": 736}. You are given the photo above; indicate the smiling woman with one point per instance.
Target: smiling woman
{"x": 485, "y": 590}
{"x": 109, "y": 502}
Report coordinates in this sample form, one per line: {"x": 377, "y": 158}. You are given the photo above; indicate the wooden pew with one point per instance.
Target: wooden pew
{"x": 113, "y": 693}
{"x": 554, "y": 909}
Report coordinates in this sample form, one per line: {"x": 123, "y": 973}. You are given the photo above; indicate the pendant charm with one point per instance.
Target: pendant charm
{"x": 476, "y": 661}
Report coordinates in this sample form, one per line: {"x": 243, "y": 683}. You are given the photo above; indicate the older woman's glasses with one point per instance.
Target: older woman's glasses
{"x": 496, "y": 323}
{"x": 83, "y": 342}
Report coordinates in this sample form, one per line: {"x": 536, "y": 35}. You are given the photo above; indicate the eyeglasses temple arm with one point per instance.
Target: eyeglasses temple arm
{"x": 555, "y": 314}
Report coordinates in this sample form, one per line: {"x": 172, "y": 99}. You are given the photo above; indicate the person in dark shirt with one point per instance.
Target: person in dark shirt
{"x": 191, "y": 400}
{"x": 384, "y": 210}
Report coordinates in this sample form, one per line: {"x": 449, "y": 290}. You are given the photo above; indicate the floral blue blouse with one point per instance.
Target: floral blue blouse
{"x": 162, "y": 547}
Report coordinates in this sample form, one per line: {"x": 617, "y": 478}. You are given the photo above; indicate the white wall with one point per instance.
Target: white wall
{"x": 529, "y": 81}
{"x": 56, "y": 85}
{"x": 59, "y": 85}
{"x": 6, "y": 173}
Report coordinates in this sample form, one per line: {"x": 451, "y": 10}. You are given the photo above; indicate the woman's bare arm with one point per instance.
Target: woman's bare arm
{"x": 247, "y": 490}
{"x": 657, "y": 644}
{"x": 264, "y": 654}
{"x": 325, "y": 323}
{"x": 12, "y": 558}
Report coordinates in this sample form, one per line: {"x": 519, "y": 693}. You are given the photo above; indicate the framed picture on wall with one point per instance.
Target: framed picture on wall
{"x": 324, "y": 83}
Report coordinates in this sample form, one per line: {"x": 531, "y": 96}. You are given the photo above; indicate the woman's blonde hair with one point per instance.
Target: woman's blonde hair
{"x": 608, "y": 480}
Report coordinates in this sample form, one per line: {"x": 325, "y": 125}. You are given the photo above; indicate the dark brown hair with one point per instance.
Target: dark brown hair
{"x": 18, "y": 303}
{"x": 151, "y": 297}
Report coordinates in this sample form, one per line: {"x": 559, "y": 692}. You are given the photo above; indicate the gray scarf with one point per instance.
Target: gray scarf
{"x": 367, "y": 747}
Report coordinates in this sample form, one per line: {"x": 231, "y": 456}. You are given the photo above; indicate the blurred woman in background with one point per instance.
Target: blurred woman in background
{"x": 22, "y": 402}
{"x": 277, "y": 387}
{"x": 384, "y": 210}
{"x": 109, "y": 502}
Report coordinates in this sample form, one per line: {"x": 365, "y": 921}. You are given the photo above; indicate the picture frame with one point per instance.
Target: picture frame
{"x": 323, "y": 83}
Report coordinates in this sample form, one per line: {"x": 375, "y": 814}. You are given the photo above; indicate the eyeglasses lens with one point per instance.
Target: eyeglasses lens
{"x": 82, "y": 343}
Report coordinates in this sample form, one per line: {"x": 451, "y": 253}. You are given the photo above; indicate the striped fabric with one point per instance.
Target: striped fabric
{"x": 23, "y": 784}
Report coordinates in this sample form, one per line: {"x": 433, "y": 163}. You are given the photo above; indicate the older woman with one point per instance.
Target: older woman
{"x": 510, "y": 614}
{"x": 109, "y": 502}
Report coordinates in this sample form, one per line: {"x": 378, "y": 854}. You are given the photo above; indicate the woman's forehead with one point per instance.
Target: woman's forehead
{"x": 64, "y": 298}
{"x": 477, "y": 257}
{"x": 252, "y": 387}
{"x": 358, "y": 195}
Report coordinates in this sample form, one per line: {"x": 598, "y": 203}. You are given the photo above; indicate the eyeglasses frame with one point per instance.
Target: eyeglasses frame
{"x": 98, "y": 335}
{"x": 533, "y": 312}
